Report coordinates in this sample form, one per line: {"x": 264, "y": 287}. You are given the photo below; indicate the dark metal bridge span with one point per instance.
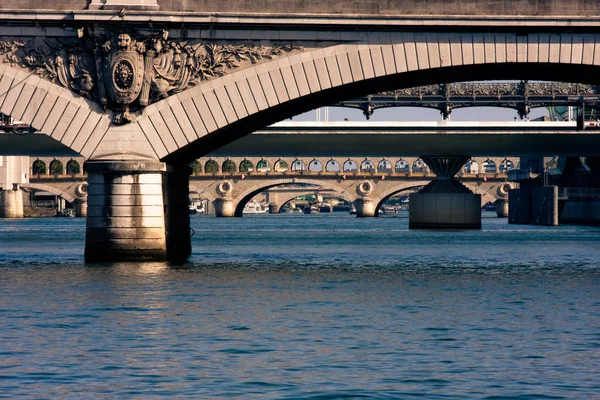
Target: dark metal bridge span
{"x": 520, "y": 95}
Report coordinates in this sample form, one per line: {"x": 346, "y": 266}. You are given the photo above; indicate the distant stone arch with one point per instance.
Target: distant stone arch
{"x": 471, "y": 167}
{"x": 315, "y": 166}
{"x": 211, "y": 167}
{"x": 38, "y": 168}
{"x": 402, "y": 166}
{"x": 384, "y": 166}
{"x": 506, "y": 165}
{"x": 246, "y": 166}
{"x": 332, "y": 166}
{"x": 244, "y": 197}
{"x": 367, "y": 166}
{"x": 229, "y": 166}
{"x": 56, "y": 167}
{"x": 280, "y": 166}
{"x": 262, "y": 165}
{"x": 73, "y": 167}
{"x": 298, "y": 166}
{"x": 489, "y": 166}
{"x": 350, "y": 166}
{"x": 419, "y": 166}
{"x": 196, "y": 167}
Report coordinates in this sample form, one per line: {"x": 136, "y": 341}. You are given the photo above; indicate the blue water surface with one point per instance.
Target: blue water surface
{"x": 304, "y": 307}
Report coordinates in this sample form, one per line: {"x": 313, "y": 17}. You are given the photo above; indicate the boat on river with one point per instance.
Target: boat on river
{"x": 255, "y": 207}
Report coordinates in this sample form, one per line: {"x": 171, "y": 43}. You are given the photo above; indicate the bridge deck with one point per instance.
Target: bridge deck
{"x": 417, "y": 139}
{"x": 378, "y": 139}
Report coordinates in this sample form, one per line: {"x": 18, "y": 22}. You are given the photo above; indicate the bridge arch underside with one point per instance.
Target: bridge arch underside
{"x": 242, "y": 199}
{"x": 70, "y": 198}
{"x": 486, "y": 196}
{"x": 396, "y": 191}
{"x": 250, "y": 99}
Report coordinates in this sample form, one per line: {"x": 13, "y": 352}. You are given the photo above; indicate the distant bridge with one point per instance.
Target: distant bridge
{"x": 521, "y": 96}
{"x": 229, "y": 183}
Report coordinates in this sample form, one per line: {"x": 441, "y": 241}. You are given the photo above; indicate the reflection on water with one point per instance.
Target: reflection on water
{"x": 304, "y": 307}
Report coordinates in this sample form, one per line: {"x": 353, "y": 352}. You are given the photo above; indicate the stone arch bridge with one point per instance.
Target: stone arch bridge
{"x": 367, "y": 192}
{"x": 141, "y": 88}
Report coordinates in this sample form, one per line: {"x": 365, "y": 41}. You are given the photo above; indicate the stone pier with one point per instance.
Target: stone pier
{"x": 80, "y": 206}
{"x": 137, "y": 210}
{"x": 445, "y": 202}
{"x": 365, "y": 207}
{"x": 11, "y": 203}
{"x": 501, "y": 206}
{"x": 224, "y": 207}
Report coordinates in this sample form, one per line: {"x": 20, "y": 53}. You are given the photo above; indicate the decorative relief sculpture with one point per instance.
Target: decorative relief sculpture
{"x": 125, "y": 72}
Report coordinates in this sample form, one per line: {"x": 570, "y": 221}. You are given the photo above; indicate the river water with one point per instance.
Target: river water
{"x": 304, "y": 307}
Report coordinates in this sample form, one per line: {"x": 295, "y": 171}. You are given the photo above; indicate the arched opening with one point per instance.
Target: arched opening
{"x": 489, "y": 167}
{"x": 367, "y": 166}
{"x": 246, "y": 166}
{"x": 73, "y": 167}
{"x": 298, "y": 166}
{"x": 402, "y": 166}
{"x": 471, "y": 167}
{"x": 350, "y": 166}
{"x": 396, "y": 201}
{"x": 38, "y": 168}
{"x": 56, "y": 167}
{"x": 311, "y": 190}
{"x": 229, "y": 166}
{"x": 196, "y": 167}
{"x": 211, "y": 167}
{"x": 280, "y": 166}
{"x": 384, "y": 166}
{"x": 476, "y": 65}
{"x": 332, "y": 166}
{"x": 315, "y": 166}
{"x": 506, "y": 165}
{"x": 419, "y": 166}
{"x": 262, "y": 166}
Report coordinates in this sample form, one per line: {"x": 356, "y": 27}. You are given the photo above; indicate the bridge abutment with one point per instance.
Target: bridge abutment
{"x": 137, "y": 210}
{"x": 445, "y": 203}
{"x": 11, "y": 203}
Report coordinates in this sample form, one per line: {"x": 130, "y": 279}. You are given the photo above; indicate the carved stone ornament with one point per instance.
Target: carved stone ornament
{"x": 125, "y": 72}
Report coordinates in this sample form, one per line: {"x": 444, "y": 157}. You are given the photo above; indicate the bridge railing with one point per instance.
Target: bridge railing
{"x": 343, "y": 175}
{"x": 55, "y": 177}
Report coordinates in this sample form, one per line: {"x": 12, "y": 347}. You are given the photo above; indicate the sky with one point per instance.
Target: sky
{"x": 423, "y": 114}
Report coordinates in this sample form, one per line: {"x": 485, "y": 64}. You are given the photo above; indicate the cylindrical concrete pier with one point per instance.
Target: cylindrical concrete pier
{"x": 11, "y": 204}
{"x": 130, "y": 205}
{"x": 445, "y": 203}
{"x": 445, "y": 211}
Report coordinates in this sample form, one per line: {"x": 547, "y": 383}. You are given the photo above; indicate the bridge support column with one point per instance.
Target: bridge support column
{"x": 136, "y": 211}
{"x": 445, "y": 203}
{"x": 11, "y": 203}
{"x": 274, "y": 208}
{"x": 80, "y": 206}
{"x": 501, "y": 208}
{"x": 224, "y": 207}
{"x": 365, "y": 207}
